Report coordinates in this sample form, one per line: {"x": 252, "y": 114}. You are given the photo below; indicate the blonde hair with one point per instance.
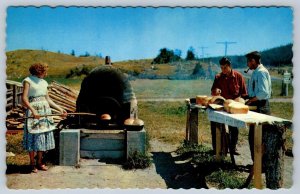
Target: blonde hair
{"x": 38, "y": 68}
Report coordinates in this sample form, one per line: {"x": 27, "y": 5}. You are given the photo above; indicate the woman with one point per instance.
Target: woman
{"x": 38, "y": 136}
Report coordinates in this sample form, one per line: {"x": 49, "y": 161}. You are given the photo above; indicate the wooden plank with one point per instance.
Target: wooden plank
{"x": 103, "y": 135}
{"x": 9, "y": 98}
{"x": 93, "y": 144}
{"x": 90, "y": 131}
{"x": 194, "y": 126}
{"x": 218, "y": 141}
{"x": 11, "y": 82}
{"x": 257, "y": 156}
{"x": 102, "y": 154}
{"x": 9, "y": 105}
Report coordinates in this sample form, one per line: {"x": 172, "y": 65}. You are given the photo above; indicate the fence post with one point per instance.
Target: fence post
{"x": 14, "y": 96}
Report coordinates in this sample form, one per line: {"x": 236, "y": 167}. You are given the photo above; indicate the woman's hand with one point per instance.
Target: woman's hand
{"x": 36, "y": 115}
{"x": 64, "y": 113}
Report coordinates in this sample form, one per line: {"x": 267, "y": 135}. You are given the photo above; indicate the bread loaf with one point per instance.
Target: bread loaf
{"x": 226, "y": 104}
{"x": 216, "y": 100}
{"x": 135, "y": 122}
{"x": 202, "y": 100}
{"x": 239, "y": 99}
{"x": 105, "y": 117}
{"x": 238, "y": 108}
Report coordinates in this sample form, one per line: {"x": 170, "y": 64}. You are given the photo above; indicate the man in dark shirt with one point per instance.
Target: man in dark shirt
{"x": 230, "y": 84}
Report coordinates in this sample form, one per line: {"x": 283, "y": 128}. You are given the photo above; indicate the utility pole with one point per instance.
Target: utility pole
{"x": 226, "y": 45}
{"x": 202, "y": 49}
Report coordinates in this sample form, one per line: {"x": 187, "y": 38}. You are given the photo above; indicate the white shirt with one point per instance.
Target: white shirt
{"x": 260, "y": 84}
{"x": 38, "y": 86}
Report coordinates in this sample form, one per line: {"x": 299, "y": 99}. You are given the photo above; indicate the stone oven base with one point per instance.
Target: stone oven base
{"x": 99, "y": 144}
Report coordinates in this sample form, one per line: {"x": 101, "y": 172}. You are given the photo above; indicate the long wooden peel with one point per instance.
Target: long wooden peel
{"x": 75, "y": 113}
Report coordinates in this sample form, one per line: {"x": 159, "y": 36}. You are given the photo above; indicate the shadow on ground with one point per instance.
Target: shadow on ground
{"x": 21, "y": 169}
{"x": 176, "y": 173}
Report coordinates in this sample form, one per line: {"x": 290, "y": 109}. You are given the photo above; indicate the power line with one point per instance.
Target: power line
{"x": 202, "y": 49}
{"x": 226, "y": 45}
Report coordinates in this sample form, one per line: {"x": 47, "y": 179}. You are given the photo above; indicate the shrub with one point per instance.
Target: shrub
{"x": 226, "y": 179}
{"x": 137, "y": 160}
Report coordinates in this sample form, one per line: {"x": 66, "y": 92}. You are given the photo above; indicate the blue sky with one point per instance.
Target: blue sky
{"x": 138, "y": 33}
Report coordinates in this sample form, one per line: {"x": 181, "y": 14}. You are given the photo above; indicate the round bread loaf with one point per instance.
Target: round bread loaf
{"x": 135, "y": 122}
{"x": 239, "y": 99}
{"x": 226, "y": 104}
{"x": 105, "y": 117}
{"x": 238, "y": 108}
{"x": 200, "y": 99}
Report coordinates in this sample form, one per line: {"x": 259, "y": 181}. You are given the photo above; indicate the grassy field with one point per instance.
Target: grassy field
{"x": 166, "y": 121}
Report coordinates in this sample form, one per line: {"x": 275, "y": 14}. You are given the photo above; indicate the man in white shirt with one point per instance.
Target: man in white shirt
{"x": 260, "y": 87}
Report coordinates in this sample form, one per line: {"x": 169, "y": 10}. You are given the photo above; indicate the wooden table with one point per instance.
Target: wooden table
{"x": 244, "y": 121}
{"x": 236, "y": 120}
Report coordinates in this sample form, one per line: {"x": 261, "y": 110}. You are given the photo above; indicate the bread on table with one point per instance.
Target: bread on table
{"x": 226, "y": 104}
{"x": 238, "y": 108}
{"x": 216, "y": 100}
{"x": 240, "y": 99}
{"x": 202, "y": 100}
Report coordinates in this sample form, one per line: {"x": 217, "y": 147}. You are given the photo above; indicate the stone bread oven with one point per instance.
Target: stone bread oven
{"x": 102, "y": 92}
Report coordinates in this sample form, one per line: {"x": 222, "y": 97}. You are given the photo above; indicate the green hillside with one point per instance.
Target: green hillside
{"x": 60, "y": 65}
{"x": 19, "y": 61}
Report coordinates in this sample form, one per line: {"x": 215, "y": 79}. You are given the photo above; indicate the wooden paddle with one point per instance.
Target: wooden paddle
{"x": 75, "y": 113}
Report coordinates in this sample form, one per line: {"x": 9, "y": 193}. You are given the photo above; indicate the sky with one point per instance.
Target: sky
{"x": 140, "y": 33}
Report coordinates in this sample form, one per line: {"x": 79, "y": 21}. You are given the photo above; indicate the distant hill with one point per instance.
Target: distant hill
{"x": 274, "y": 57}
{"x": 19, "y": 61}
{"x": 61, "y": 64}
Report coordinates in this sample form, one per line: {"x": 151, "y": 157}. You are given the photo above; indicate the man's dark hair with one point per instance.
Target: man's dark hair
{"x": 254, "y": 55}
{"x": 224, "y": 61}
{"x": 107, "y": 60}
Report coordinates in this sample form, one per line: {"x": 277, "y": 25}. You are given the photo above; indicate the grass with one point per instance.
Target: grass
{"x": 137, "y": 160}
{"x": 222, "y": 179}
{"x": 166, "y": 121}
{"x": 218, "y": 175}
{"x": 163, "y": 88}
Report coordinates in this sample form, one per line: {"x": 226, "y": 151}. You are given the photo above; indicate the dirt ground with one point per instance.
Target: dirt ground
{"x": 165, "y": 172}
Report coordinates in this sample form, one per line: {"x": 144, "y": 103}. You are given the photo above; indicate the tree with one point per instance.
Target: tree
{"x": 73, "y": 53}
{"x": 198, "y": 71}
{"x": 190, "y": 54}
{"x": 165, "y": 56}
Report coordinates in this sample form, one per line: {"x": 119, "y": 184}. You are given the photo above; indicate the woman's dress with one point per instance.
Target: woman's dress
{"x": 38, "y": 133}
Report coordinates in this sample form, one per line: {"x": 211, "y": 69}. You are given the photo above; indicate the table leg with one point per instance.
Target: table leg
{"x": 187, "y": 131}
{"x": 257, "y": 165}
{"x": 229, "y": 143}
{"x": 194, "y": 126}
{"x": 218, "y": 141}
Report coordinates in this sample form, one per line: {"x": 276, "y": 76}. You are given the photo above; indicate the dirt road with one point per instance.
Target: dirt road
{"x": 166, "y": 171}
